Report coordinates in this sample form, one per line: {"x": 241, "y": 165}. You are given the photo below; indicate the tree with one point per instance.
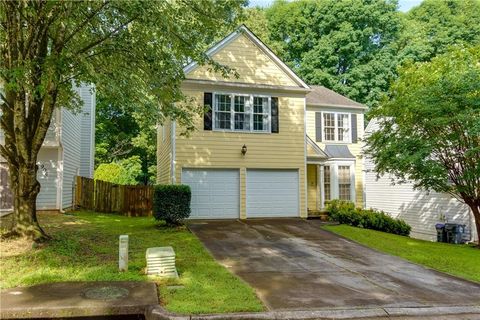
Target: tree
{"x": 122, "y": 132}
{"x": 343, "y": 45}
{"x": 433, "y": 26}
{"x": 133, "y": 51}
{"x": 125, "y": 172}
{"x": 430, "y": 127}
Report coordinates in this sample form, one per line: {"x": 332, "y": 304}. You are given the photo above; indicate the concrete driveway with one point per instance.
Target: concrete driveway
{"x": 293, "y": 264}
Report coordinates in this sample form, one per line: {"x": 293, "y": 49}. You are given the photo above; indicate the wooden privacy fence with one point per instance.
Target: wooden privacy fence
{"x": 103, "y": 196}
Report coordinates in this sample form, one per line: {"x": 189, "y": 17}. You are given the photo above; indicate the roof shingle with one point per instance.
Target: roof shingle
{"x": 321, "y": 96}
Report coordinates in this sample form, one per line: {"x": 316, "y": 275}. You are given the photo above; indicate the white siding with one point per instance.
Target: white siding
{"x": 77, "y": 143}
{"x": 48, "y": 176}
{"x": 71, "y": 131}
{"x": 420, "y": 209}
{"x": 73, "y": 155}
{"x": 87, "y": 140}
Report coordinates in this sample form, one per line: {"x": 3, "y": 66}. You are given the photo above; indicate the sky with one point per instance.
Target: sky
{"x": 405, "y": 5}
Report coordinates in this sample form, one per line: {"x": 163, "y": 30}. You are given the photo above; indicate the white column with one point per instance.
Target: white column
{"x": 322, "y": 184}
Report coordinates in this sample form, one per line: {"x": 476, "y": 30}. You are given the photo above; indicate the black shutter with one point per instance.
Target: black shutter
{"x": 207, "y": 116}
{"x": 354, "y": 128}
{"x": 274, "y": 115}
{"x": 318, "y": 126}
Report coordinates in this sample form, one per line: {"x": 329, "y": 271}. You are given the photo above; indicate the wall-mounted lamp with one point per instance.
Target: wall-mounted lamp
{"x": 244, "y": 149}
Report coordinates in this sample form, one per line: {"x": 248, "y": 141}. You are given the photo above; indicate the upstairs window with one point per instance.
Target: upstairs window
{"x": 240, "y": 112}
{"x": 336, "y": 127}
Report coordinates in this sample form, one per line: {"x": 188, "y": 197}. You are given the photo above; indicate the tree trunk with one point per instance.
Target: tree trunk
{"x": 26, "y": 188}
{"x": 476, "y": 215}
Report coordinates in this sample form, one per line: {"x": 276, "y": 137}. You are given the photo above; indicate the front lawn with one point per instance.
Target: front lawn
{"x": 458, "y": 260}
{"x": 85, "y": 248}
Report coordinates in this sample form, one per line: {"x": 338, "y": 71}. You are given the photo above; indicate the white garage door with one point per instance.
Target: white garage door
{"x": 215, "y": 193}
{"x": 272, "y": 193}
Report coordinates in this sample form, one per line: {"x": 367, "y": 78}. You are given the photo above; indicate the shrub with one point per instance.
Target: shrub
{"x": 346, "y": 213}
{"x": 171, "y": 203}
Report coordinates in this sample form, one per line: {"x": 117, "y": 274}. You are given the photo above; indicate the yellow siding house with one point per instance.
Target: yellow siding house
{"x": 252, "y": 154}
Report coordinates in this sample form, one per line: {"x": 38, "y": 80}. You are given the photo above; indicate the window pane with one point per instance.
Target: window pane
{"x": 329, "y": 126}
{"x": 222, "y": 120}
{"x": 241, "y": 122}
{"x": 258, "y": 122}
{"x": 343, "y": 127}
{"x": 223, "y": 102}
{"x": 240, "y": 103}
{"x": 330, "y": 134}
{"x": 326, "y": 182}
{"x": 260, "y": 114}
{"x": 344, "y": 182}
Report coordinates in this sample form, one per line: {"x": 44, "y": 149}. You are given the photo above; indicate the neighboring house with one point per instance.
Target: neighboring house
{"x": 68, "y": 150}
{"x": 420, "y": 209}
{"x": 269, "y": 145}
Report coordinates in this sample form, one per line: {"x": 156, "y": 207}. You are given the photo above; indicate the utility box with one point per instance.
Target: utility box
{"x": 161, "y": 262}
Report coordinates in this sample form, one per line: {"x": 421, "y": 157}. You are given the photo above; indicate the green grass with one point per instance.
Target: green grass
{"x": 459, "y": 260}
{"x": 85, "y": 248}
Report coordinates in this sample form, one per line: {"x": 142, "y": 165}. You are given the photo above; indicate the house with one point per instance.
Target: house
{"x": 420, "y": 209}
{"x": 68, "y": 150}
{"x": 268, "y": 145}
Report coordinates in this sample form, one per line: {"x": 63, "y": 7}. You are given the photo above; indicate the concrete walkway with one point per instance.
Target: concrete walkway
{"x": 294, "y": 265}
{"x": 78, "y": 299}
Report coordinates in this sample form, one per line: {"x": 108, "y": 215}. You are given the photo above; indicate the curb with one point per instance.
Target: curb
{"x": 159, "y": 313}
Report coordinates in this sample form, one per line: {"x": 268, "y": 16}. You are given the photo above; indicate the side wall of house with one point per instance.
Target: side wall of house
{"x": 420, "y": 209}
{"x": 355, "y": 148}
{"x": 87, "y": 140}
{"x": 78, "y": 143}
{"x": 71, "y": 133}
{"x": 164, "y": 152}
{"x": 49, "y": 173}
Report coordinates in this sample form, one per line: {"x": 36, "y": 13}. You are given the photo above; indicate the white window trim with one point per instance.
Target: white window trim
{"x": 336, "y": 127}
{"x": 248, "y": 106}
{"x": 334, "y": 187}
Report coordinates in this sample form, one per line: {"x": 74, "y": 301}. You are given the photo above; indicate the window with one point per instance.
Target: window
{"x": 338, "y": 181}
{"x": 236, "y": 112}
{"x": 241, "y": 116}
{"x": 336, "y": 127}
{"x": 326, "y": 182}
{"x": 223, "y": 105}
{"x": 344, "y": 182}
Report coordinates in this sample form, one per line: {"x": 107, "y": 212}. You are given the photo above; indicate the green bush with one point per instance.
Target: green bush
{"x": 346, "y": 213}
{"x": 171, "y": 203}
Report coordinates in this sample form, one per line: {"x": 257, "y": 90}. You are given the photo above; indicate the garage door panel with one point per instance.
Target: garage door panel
{"x": 215, "y": 193}
{"x": 272, "y": 193}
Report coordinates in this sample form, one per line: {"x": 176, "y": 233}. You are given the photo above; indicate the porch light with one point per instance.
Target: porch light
{"x": 244, "y": 149}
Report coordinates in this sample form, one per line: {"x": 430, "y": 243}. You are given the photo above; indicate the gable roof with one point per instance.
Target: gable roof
{"x": 323, "y": 97}
{"x": 317, "y": 151}
{"x": 252, "y": 37}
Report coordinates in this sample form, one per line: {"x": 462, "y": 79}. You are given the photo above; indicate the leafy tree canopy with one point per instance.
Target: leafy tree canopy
{"x": 430, "y": 28}
{"x": 343, "y": 45}
{"x": 133, "y": 51}
{"x": 429, "y": 128}
{"x": 125, "y": 172}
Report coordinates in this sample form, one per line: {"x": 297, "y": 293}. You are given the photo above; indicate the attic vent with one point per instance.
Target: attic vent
{"x": 161, "y": 262}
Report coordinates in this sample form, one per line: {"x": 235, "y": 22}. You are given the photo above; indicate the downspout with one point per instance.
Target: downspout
{"x": 305, "y": 154}
{"x": 172, "y": 160}
{"x": 60, "y": 157}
